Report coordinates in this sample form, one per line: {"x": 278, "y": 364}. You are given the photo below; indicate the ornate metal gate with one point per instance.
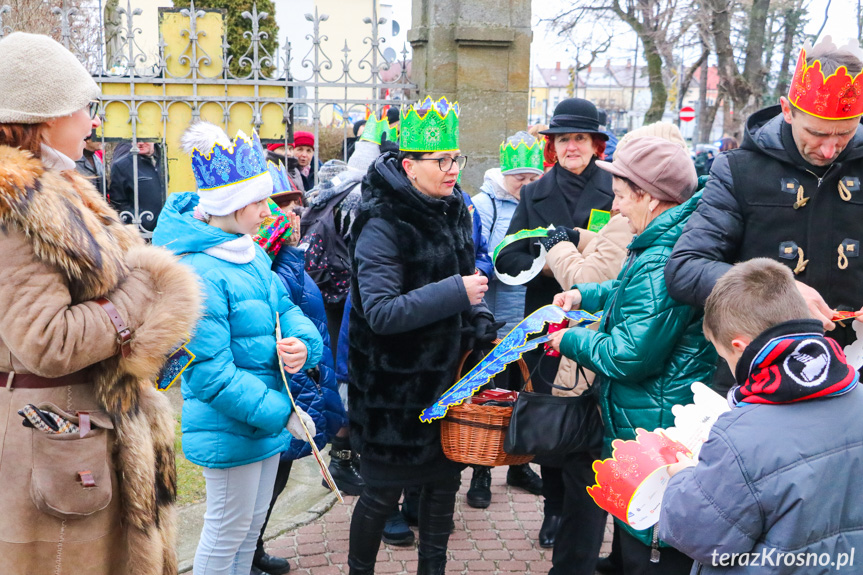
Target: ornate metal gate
{"x": 192, "y": 79}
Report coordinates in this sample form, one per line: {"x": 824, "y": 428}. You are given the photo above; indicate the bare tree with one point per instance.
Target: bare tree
{"x": 74, "y": 23}
{"x": 792, "y": 19}
{"x": 744, "y": 88}
{"x": 658, "y": 23}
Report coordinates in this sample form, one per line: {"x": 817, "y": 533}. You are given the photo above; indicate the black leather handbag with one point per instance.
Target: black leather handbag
{"x": 544, "y": 424}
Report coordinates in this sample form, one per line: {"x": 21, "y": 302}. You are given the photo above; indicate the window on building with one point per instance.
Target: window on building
{"x": 533, "y": 101}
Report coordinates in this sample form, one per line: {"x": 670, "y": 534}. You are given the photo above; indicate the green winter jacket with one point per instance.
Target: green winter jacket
{"x": 649, "y": 348}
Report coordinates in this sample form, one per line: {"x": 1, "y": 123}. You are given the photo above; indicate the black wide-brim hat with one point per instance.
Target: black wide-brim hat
{"x": 575, "y": 116}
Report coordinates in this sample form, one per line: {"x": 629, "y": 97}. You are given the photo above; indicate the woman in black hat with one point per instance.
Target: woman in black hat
{"x": 566, "y": 196}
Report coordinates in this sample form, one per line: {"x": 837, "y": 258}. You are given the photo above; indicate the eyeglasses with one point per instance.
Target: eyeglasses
{"x": 445, "y": 163}
{"x": 94, "y": 109}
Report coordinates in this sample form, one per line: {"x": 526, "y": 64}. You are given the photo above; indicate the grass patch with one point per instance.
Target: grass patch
{"x": 191, "y": 486}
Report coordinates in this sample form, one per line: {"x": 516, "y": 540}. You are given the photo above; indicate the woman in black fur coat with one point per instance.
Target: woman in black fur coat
{"x": 415, "y": 295}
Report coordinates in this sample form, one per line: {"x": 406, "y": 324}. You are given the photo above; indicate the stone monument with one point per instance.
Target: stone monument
{"x": 478, "y": 53}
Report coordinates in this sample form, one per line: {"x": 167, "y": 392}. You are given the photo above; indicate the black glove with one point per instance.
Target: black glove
{"x": 485, "y": 328}
{"x": 560, "y": 234}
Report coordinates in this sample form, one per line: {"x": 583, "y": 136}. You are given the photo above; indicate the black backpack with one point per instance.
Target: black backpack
{"x": 327, "y": 259}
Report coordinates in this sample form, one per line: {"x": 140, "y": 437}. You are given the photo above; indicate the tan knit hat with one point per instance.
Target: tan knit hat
{"x": 41, "y": 80}
{"x": 664, "y": 130}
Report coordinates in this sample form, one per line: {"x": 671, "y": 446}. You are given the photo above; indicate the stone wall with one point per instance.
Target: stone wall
{"x": 478, "y": 53}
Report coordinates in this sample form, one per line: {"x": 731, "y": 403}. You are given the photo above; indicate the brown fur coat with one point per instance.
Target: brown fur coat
{"x": 61, "y": 246}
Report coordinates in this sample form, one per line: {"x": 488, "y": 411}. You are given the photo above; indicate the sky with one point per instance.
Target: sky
{"x": 548, "y": 49}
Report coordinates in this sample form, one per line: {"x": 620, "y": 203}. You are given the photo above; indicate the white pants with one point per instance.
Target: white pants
{"x": 237, "y": 503}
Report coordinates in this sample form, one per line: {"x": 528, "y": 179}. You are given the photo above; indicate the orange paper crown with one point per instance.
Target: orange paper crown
{"x": 837, "y": 97}
{"x": 631, "y": 464}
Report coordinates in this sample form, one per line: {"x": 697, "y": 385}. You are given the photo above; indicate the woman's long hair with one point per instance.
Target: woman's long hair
{"x": 28, "y": 137}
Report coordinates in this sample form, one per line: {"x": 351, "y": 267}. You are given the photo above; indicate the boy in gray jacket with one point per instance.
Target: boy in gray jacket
{"x": 776, "y": 488}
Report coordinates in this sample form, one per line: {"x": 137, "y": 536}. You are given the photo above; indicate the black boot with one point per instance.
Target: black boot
{"x": 397, "y": 531}
{"x": 431, "y": 567}
{"x": 344, "y": 467}
{"x": 524, "y": 477}
{"x": 269, "y": 564}
{"x": 411, "y": 505}
{"x": 479, "y": 494}
{"x": 548, "y": 530}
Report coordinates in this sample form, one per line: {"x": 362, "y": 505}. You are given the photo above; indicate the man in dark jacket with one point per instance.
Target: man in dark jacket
{"x": 151, "y": 187}
{"x": 791, "y": 193}
{"x": 90, "y": 165}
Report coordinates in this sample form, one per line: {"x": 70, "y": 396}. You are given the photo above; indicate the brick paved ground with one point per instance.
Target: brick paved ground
{"x": 499, "y": 539}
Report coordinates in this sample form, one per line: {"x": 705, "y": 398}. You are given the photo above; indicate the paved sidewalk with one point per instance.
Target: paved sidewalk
{"x": 499, "y": 539}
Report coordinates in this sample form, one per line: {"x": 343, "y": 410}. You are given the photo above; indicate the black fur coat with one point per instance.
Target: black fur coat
{"x": 409, "y": 310}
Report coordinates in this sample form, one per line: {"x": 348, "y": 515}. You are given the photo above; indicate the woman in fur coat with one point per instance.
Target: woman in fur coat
{"x": 414, "y": 292}
{"x": 74, "y": 284}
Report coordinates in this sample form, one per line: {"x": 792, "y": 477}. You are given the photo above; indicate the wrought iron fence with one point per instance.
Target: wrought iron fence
{"x": 126, "y": 79}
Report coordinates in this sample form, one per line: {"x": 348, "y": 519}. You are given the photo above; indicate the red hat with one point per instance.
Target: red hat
{"x": 274, "y": 147}
{"x": 304, "y": 139}
{"x": 837, "y": 97}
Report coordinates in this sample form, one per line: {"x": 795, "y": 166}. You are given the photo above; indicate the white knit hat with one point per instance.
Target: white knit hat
{"x": 230, "y": 175}
{"x": 41, "y": 80}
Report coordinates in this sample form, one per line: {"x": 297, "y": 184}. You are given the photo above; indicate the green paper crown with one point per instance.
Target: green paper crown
{"x": 521, "y": 156}
{"x": 429, "y": 127}
{"x": 374, "y": 130}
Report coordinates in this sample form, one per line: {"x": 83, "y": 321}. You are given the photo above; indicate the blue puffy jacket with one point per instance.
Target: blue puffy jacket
{"x": 495, "y": 207}
{"x": 342, "y": 349}
{"x": 235, "y": 406}
{"x": 318, "y": 396}
{"x": 483, "y": 260}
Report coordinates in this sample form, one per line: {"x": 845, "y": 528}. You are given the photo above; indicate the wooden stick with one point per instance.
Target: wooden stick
{"x": 324, "y": 470}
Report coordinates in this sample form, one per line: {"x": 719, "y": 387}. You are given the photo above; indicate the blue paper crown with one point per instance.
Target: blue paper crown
{"x": 219, "y": 166}
{"x": 280, "y": 178}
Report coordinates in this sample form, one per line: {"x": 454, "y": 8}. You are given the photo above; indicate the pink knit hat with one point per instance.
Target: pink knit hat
{"x": 659, "y": 167}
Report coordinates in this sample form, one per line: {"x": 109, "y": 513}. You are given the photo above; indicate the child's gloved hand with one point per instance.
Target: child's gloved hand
{"x": 294, "y": 354}
{"x": 296, "y": 428}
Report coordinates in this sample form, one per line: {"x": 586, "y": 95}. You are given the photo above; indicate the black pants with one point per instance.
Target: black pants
{"x": 582, "y": 525}
{"x": 553, "y": 489}
{"x": 334, "y": 312}
{"x": 636, "y": 558}
{"x": 436, "y": 507}
{"x": 282, "y": 476}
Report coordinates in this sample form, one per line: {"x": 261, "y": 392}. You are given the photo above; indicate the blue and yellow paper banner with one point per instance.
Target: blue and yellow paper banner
{"x": 503, "y": 354}
{"x": 174, "y": 367}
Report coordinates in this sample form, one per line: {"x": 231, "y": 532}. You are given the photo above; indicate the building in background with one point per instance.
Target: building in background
{"x": 620, "y": 89}
{"x": 344, "y": 27}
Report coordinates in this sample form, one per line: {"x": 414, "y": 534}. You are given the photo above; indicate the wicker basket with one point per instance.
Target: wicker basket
{"x": 474, "y": 433}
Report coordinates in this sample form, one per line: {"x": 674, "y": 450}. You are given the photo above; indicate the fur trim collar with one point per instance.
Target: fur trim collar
{"x": 70, "y": 224}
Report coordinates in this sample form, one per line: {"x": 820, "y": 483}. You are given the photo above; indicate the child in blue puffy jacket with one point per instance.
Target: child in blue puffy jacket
{"x": 315, "y": 390}
{"x": 237, "y": 416}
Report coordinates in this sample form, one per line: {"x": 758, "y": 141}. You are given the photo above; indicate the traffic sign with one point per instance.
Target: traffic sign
{"x": 687, "y": 114}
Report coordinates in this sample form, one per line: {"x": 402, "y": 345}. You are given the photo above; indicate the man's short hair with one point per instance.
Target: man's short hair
{"x": 832, "y": 61}
{"x": 751, "y": 298}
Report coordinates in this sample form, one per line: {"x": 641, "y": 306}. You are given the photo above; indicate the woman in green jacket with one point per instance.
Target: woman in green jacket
{"x": 649, "y": 347}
